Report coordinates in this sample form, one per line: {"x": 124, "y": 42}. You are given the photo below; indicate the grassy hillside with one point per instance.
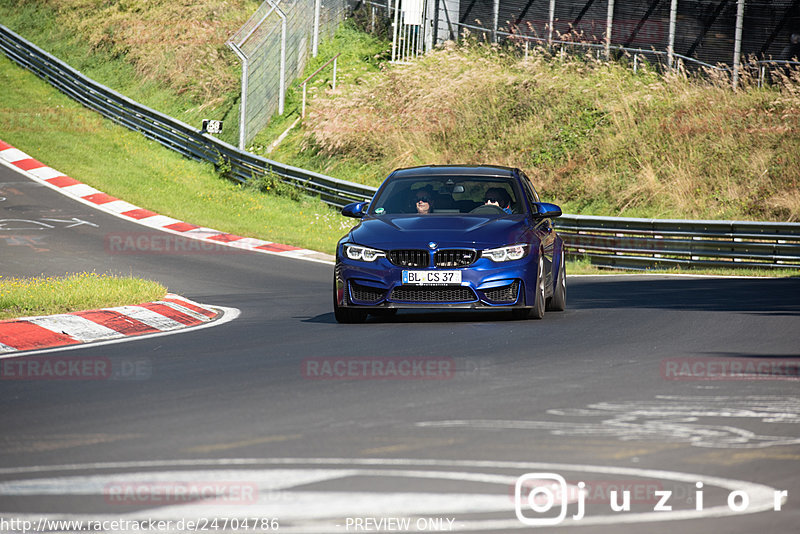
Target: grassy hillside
{"x": 595, "y": 137}
{"x": 61, "y": 133}
{"x": 168, "y": 55}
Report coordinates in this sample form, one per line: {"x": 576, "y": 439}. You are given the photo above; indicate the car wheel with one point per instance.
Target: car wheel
{"x": 558, "y": 302}
{"x": 537, "y": 311}
{"x": 346, "y": 315}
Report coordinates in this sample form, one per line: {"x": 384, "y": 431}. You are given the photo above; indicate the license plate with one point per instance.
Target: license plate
{"x": 431, "y": 278}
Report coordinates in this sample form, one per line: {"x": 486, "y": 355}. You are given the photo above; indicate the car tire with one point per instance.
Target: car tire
{"x": 537, "y": 310}
{"x": 558, "y": 302}
{"x": 346, "y": 315}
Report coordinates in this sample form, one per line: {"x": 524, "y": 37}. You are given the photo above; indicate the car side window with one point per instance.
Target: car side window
{"x": 530, "y": 191}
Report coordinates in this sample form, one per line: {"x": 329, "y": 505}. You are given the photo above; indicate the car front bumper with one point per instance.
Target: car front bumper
{"x": 484, "y": 285}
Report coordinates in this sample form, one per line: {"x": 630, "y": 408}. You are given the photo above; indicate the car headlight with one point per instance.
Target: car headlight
{"x": 509, "y": 253}
{"x": 359, "y": 253}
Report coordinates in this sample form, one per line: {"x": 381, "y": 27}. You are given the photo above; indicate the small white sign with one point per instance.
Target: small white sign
{"x": 212, "y": 127}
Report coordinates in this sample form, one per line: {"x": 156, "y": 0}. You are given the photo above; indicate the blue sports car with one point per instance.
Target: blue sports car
{"x": 450, "y": 237}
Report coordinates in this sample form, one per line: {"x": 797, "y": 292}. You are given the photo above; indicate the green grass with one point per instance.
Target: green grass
{"x": 46, "y": 124}
{"x": 595, "y": 137}
{"x": 24, "y": 297}
{"x": 362, "y": 56}
{"x": 150, "y": 176}
{"x": 167, "y": 55}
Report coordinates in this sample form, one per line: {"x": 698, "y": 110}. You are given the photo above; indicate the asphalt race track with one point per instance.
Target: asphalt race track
{"x": 428, "y": 417}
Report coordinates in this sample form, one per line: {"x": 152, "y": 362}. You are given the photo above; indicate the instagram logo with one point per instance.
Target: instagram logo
{"x": 535, "y": 495}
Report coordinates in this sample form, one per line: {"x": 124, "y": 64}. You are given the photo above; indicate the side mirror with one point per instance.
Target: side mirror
{"x": 546, "y": 210}
{"x": 355, "y": 210}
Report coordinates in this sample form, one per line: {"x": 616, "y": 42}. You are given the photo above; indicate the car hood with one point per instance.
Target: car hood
{"x": 417, "y": 231}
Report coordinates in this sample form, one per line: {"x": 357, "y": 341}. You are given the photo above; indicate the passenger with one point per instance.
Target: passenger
{"x": 497, "y": 196}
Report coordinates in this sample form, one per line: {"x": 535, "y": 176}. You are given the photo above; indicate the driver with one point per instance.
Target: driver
{"x": 497, "y": 196}
{"x": 424, "y": 201}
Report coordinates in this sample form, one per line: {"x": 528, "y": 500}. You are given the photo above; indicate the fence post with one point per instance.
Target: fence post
{"x": 303, "y": 107}
{"x": 609, "y": 27}
{"x": 282, "y": 94}
{"x": 436, "y": 22}
{"x": 495, "y": 18}
{"x": 243, "y": 99}
{"x": 315, "y": 41}
{"x": 395, "y": 27}
{"x": 737, "y": 43}
{"x": 552, "y": 21}
{"x": 673, "y": 15}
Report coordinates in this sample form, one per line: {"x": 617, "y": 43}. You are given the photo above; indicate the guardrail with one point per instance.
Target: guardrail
{"x": 610, "y": 241}
{"x": 652, "y": 243}
{"x": 171, "y": 132}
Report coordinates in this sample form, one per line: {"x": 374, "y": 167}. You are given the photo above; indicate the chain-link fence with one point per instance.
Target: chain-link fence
{"x": 273, "y": 46}
{"x": 698, "y": 33}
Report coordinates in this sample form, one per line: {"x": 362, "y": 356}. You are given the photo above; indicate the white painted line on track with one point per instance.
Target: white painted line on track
{"x": 308, "y": 507}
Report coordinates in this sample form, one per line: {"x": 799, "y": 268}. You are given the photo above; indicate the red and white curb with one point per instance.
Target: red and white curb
{"x": 171, "y": 313}
{"x": 54, "y": 179}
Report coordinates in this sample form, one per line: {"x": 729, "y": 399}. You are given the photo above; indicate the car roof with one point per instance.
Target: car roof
{"x": 456, "y": 170}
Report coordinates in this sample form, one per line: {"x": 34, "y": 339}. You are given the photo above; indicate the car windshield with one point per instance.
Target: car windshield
{"x": 443, "y": 195}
